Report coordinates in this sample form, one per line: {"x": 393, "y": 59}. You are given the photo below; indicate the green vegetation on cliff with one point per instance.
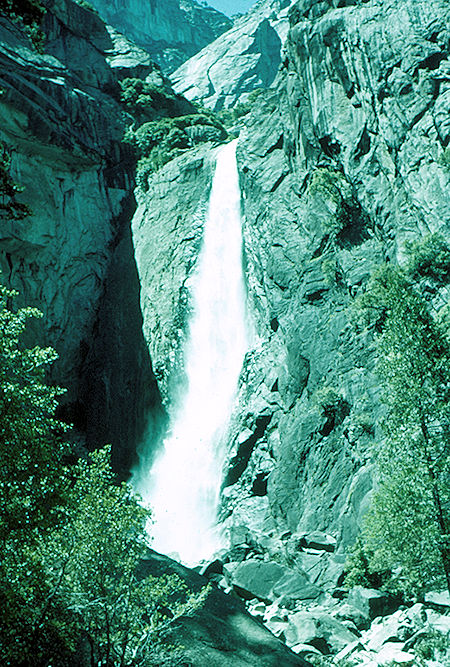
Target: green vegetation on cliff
{"x": 159, "y": 141}
{"x": 165, "y": 125}
{"x": 407, "y": 530}
{"x": 146, "y": 101}
{"x": 28, "y": 13}
{"x": 10, "y": 207}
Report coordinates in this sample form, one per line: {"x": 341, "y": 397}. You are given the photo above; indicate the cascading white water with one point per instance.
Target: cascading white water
{"x": 183, "y": 485}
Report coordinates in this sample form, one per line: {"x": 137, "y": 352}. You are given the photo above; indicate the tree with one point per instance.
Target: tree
{"x": 28, "y": 14}
{"x": 70, "y": 537}
{"x": 10, "y": 208}
{"x": 32, "y": 489}
{"x": 408, "y": 526}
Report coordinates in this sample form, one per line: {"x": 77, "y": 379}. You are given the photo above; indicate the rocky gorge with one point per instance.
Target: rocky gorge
{"x": 343, "y": 160}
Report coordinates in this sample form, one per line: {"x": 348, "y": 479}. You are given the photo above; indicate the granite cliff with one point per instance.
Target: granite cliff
{"x": 243, "y": 59}
{"x": 171, "y": 31}
{"x": 341, "y": 163}
{"x": 73, "y": 257}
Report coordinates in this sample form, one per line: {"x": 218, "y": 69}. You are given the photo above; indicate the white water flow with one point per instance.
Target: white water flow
{"x": 183, "y": 485}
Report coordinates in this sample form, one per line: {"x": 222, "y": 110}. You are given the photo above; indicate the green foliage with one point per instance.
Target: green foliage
{"x": 10, "y": 208}
{"x": 148, "y": 101}
{"x": 28, "y": 14}
{"x": 166, "y": 125}
{"x": 28, "y": 428}
{"x": 327, "y": 182}
{"x": 430, "y": 258}
{"x": 407, "y": 528}
{"x": 360, "y": 569}
{"x": 229, "y": 117}
{"x": 332, "y": 271}
{"x": 347, "y": 223}
{"x": 71, "y": 538}
{"x": 157, "y": 142}
{"x": 444, "y": 158}
{"x": 331, "y": 403}
{"x": 172, "y": 131}
{"x": 434, "y": 646}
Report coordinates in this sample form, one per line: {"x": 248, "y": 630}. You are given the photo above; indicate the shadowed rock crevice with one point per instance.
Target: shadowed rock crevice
{"x": 239, "y": 462}
{"x": 119, "y": 393}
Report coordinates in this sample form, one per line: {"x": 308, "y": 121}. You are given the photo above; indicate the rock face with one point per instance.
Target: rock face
{"x": 167, "y": 239}
{"x": 245, "y": 58}
{"x": 340, "y": 165}
{"x": 63, "y": 131}
{"x": 171, "y": 31}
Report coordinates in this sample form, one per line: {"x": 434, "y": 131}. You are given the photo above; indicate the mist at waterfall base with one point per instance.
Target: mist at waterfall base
{"x": 182, "y": 487}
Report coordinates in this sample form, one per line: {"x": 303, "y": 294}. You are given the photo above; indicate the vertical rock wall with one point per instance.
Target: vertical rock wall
{"x": 171, "y": 31}
{"x": 63, "y": 132}
{"x": 340, "y": 165}
{"x": 244, "y": 59}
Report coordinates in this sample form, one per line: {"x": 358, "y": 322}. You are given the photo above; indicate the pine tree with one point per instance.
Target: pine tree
{"x": 408, "y": 527}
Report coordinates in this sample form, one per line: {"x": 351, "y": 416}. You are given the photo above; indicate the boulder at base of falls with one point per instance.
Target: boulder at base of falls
{"x": 222, "y": 633}
{"x": 318, "y": 629}
{"x": 372, "y": 602}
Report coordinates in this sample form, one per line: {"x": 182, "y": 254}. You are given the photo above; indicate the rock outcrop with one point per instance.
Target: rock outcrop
{"x": 221, "y": 633}
{"x": 341, "y": 164}
{"x": 171, "y": 31}
{"x": 167, "y": 239}
{"x": 244, "y": 59}
{"x": 63, "y": 130}
{"x": 345, "y": 634}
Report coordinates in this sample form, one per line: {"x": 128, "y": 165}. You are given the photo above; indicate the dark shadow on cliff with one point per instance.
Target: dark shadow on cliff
{"x": 120, "y": 401}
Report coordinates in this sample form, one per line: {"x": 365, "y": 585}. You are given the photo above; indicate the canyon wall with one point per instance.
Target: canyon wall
{"x": 171, "y": 31}
{"x": 341, "y": 165}
{"x": 244, "y": 59}
{"x": 63, "y": 129}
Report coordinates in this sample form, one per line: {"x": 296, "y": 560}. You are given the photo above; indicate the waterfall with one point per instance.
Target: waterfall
{"x": 183, "y": 485}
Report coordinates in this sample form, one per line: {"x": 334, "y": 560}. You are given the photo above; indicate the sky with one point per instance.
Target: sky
{"x": 230, "y": 7}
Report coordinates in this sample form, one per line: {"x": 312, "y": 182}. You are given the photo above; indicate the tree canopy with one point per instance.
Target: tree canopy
{"x": 407, "y": 529}
{"x": 71, "y": 538}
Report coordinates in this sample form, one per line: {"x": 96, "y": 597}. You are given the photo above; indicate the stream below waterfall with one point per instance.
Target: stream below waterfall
{"x": 183, "y": 485}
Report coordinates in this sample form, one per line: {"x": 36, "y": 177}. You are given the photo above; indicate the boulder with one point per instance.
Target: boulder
{"x": 318, "y": 540}
{"x": 371, "y": 602}
{"x": 222, "y": 633}
{"x": 383, "y": 633}
{"x": 438, "y": 599}
{"x": 257, "y": 578}
{"x": 391, "y": 654}
{"x": 347, "y": 612}
{"x": 318, "y": 629}
{"x": 295, "y": 586}
{"x": 439, "y": 622}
